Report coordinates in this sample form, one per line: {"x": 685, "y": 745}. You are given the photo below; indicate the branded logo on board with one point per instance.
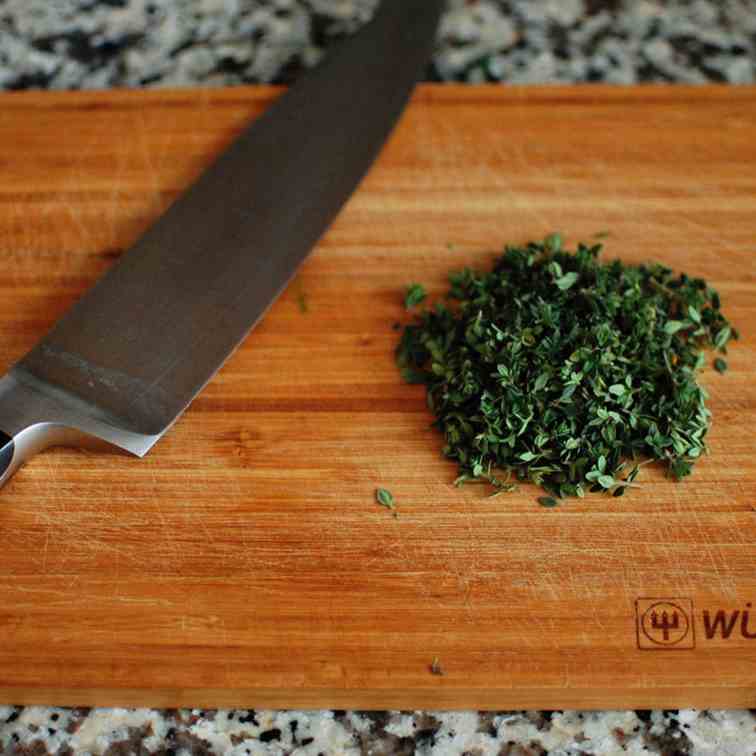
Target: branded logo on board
{"x": 669, "y": 624}
{"x": 665, "y": 624}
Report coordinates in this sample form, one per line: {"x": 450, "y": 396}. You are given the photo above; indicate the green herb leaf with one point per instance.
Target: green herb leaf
{"x": 553, "y": 242}
{"x": 673, "y": 326}
{"x": 414, "y": 295}
{"x": 385, "y": 498}
{"x": 541, "y": 382}
{"x": 547, "y": 501}
{"x": 606, "y": 481}
{"x": 721, "y": 339}
{"x": 680, "y": 468}
{"x": 567, "y": 281}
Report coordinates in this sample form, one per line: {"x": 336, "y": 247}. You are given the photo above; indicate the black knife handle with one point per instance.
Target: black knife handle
{"x": 7, "y": 450}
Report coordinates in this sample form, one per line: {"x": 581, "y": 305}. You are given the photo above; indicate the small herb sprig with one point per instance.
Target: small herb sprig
{"x": 566, "y": 371}
{"x": 414, "y": 295}
{"x": 385, "y": 498}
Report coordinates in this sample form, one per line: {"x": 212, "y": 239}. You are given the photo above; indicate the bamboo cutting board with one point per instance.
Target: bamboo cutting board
{"x": 244, "y": 561}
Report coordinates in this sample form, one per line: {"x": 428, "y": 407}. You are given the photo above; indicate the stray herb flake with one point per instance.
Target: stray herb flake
{"x": 720, "y": 365}
{"x": 435, "y": 667}
{"x": 547, "y": 501}
{"x": 302, "y": 303}
{"x": 553, "y": 242}
{"x": 558, "y": 368}
{"x": 414, "y": 296}
{"x": 385, "y": 498}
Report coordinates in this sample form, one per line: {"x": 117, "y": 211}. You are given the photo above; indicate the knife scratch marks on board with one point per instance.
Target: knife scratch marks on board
{"x": 23, "y": 241}
{"x": 723, "y": 577}
{"x": 471, "y": 562}
{"x": 525, "y": 168}
{"x": 632, "y": 581}
{"x": 71, "y": 188}
{"x": 117, "y": 579}
{"x": 200, "y": 519}
{"x": 52, "y": 592}
{"x": 411, "y": 561}
{"x": 203, "y": 103}
{"x": 153, "y": 173}
{"x": 742, "y": 494}
{"x": 161, "y": 168}
{"x": 114, "y": 209}
{"x": 223, "y": 630}
{"x": 167, "y": 531}
{"x": 45, "y": 550}
{"x": 97, "y": 546}
{"x": 162, "y": 603}
{"x": 702, "y": 231}
{"x": 516, "y": 202}
{"x": 463, "y": 582}
{"x": 75, "y": 213}
{"x": 474, "y": 543}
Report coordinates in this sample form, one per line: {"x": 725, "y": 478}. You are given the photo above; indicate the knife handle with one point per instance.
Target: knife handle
{"x": 18, "y": 449}
{"x": 27, "y": 426}
{"x": 30, "y": 422}
{"x": 7, "y": 450}
{"x": 34, "y": 417}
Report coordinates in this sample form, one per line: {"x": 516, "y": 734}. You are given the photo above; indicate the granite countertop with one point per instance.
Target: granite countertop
{"x": 65, "y": 44}
{"x": 68, "y": 44}
{"x": 117, "y": 732}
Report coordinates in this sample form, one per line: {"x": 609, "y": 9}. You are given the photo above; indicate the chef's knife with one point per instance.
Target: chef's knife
{"x": 128, "y": 358}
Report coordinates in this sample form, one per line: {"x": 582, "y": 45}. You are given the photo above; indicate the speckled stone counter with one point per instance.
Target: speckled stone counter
{"x": 93, "y": 44}
{"x": 65, "y": 44}
{"x": 37, "y": 730}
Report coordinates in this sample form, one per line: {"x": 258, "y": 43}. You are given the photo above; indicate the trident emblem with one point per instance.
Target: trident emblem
{"x": 665, "y": 623}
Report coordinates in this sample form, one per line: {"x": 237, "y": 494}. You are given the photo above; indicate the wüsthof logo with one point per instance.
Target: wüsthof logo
{"x": 665, "y": 624}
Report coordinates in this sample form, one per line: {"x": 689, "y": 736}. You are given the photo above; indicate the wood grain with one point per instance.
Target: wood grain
{"x": 244, "y": 561}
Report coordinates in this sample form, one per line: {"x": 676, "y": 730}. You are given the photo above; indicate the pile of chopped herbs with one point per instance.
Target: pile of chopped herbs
{"x": 561, "y": 369}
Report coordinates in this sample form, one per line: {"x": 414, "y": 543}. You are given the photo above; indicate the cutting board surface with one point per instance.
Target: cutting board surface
{"x": 244, "y": 561}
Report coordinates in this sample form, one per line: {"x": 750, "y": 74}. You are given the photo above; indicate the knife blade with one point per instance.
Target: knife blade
{"x": 127, "y": 359}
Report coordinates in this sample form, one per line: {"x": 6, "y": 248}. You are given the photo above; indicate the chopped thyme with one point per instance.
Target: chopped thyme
{"x": 560, "y": 369}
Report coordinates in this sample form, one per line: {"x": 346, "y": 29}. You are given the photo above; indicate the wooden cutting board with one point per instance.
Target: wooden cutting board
{"x": 244, "y": 562}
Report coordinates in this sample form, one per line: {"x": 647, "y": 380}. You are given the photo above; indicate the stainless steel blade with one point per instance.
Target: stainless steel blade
{"x": 130, "y": 356}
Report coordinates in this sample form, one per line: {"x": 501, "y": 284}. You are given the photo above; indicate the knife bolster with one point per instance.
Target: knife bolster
{"x": 34, "y": 417}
